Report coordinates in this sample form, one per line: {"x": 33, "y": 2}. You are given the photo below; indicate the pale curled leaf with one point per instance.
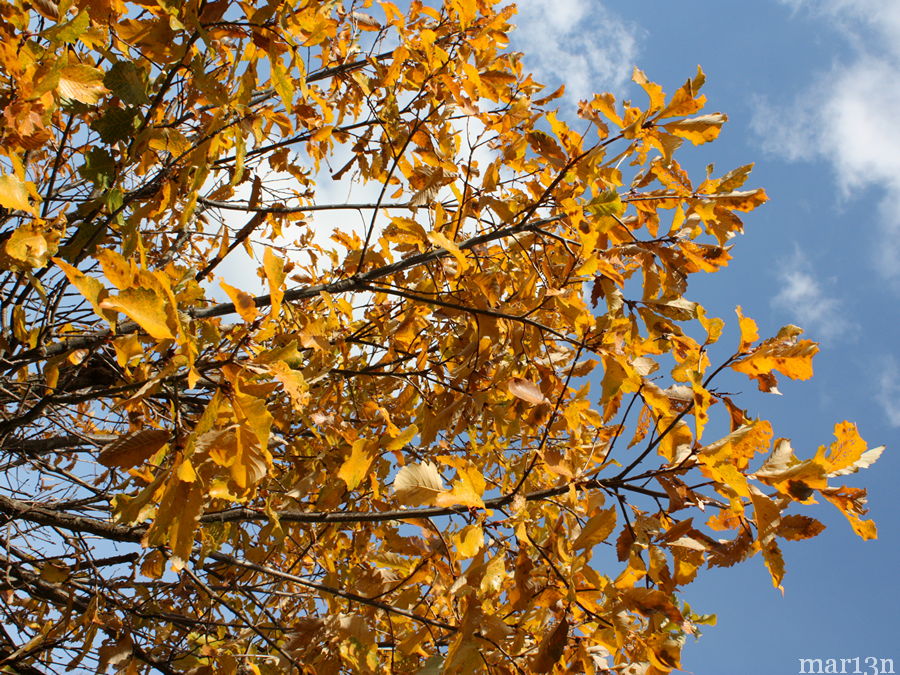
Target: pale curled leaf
{"x": 418, "y": 484}
{"x": 526, "y": 390}
{"x": 867, "y": 459}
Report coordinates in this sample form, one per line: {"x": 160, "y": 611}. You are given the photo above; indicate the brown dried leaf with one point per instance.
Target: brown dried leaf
{"x": 134, "y": 448}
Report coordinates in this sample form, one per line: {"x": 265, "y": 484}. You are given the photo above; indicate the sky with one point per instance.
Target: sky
{"x": 812, "y": 91}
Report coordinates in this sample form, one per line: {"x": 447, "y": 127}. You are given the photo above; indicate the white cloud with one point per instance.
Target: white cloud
{"x": 578, "y": 42}
{"x": 889, "y": 390}
{"x": 848, "y": 116}
{"x": 805, "y": 300}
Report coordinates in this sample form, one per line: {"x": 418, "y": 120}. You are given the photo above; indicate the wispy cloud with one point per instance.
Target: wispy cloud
{"x": 848, "y": 115}
{"x": 805, "y": 299}
{"x": 580, "y": 42}
{"x": 889, "y": 390}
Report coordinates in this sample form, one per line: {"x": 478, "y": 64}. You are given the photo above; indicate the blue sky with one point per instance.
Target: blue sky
{"x": 812, "y": 90}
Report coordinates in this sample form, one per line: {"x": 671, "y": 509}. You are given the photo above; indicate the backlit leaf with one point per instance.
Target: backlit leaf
{"x": 697, "y": 130}
{"x": 596, "y": 530}
{"x": 145, "y": 307}
{"x": 81, "y": 83}
{"x": 418, "y": 484}
{"x": 14, "y": 194}
{"x": 526, "y": 390}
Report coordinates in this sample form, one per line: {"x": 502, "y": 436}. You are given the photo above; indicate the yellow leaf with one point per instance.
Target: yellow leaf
{"x": 274, "y": 269}
{"x": 677, "y": 443}
{"x": 442, "y": 241}
{"x": 596, "y": 530}
{"x": 28, "y": 246}
{"x": 243, "y": 302}
{"x": 134, "y": 448}
{"x": 293, "y": 382}
{"x": 14, "y": 194}
{"x": 81, "y": 83}
{"x": 467, "y": 490}
{"x": 685, "y": 100}
{"x": 356, "y": 467}
{"x": 116, "y": 268}
{"x": 418, "y": 484}
{"x": 90, "y": 287}
{"x": 654, "y": 91}
{"x": 468, "y": 541}
{"x": 281, "y": 80}
{"x": 768, "y": 518}
{"x": 250, "y": 463}
{"x": 698, "y": 130}
{"x": 176, "y": 520}
{"x": 403, "y": 439}
{"x": 186, "y": 471}
{"x": 146, "y": 308}
{"x": 745, "y": 200}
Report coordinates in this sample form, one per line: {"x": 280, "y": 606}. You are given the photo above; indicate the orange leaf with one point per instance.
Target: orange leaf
{"x": 848, "y": 453}
{"x": 243, "y": 302}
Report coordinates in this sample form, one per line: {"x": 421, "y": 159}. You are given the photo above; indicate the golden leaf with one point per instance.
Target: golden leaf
{"x": 274, "y": 269}
{"x": 28, "y": 246}
{"x": 356, "y": 467}
{"x": 468, "y": 541}
{"x": 596, "y": 530}
{"x": 851, "y": 502}
{"x": 466, "y": 491}
{"x": 450, "y": 246}
{"x": 697, "y": 130}
{"x": 81, "y": 83}
{"x": 14, "y": 194}
{"x": 749, "y": 331}
{"x": 146, "y": 308}
{"x": 90, "y": 287}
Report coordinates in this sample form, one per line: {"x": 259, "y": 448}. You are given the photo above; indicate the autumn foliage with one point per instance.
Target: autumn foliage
{"x": 465, "y": 422}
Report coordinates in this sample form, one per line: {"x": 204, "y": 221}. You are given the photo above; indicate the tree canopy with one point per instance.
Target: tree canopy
{"x": 467, "y": 422}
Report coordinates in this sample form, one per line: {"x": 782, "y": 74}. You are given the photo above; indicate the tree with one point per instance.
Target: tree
{"x": 476, "y": 430}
